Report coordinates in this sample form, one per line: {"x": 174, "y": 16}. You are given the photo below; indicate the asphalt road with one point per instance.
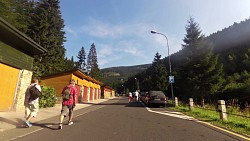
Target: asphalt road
{"x": 118, "y": 120}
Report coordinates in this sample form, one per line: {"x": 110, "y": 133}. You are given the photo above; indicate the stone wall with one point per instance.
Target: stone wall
{"x": 22, "y": 84}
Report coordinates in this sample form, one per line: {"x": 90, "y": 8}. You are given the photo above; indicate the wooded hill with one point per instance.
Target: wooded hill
{"x": 231, "y": 40}
{"x": 116, "y": 75}
{"x": 222, "y": 72}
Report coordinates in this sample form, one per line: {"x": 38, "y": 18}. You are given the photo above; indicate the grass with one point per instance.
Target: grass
{"x": 234, "y": 123}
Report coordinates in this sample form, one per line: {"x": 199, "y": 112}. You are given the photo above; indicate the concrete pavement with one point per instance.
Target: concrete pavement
{"x": 12, "y": 119}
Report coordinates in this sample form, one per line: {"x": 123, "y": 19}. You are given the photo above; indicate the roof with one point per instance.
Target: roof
{"x": 107, "y": 87}
{"x": 76, "y": 72}
{"x": 18, "y": 40}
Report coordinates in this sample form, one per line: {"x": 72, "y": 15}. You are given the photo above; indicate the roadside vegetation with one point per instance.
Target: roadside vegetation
{"x": 236, "y": 121}
{"x": 48, "y": 97}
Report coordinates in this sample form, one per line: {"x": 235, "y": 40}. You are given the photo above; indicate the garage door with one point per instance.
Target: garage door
{"x": 9, "y": 78}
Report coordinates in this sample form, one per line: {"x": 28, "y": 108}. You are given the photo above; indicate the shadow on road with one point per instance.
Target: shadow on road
{"x": 18, "y": 123}
{"x": 135, "y": 104}
{"x": 46, "y": 125}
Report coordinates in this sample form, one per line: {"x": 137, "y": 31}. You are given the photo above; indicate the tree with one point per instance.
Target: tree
{"x": 193, "y": 33}
{"x": 205, "y": 73}
{"x": 92, "y": 58}
{"x": 92, "y": 64}
{"x": 95, "y": 72}
{"x": 47, "y": 30}
{"x": 192, "y": 37}
{"x": 81, "y": 63}
{"x": 69, "y": 64}
{"x": 200, "y": 73}
{"x": 17, "y": 13}
{"x": 158, "y": 74}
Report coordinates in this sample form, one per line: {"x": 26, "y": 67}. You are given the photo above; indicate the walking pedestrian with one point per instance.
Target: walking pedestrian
{"x": 68, "y": 103}
{"x": 136, "y": 95}
{"x": 31, "y": 104}
{"x": 130, "y": 97}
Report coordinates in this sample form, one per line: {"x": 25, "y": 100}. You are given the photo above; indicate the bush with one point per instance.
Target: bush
{"x": 48, "y": 97}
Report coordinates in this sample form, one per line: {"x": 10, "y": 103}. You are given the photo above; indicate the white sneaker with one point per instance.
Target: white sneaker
{"x": 60, "y": 126}
{"x": 70, "y": 123}
{"x": 28, "y": 123}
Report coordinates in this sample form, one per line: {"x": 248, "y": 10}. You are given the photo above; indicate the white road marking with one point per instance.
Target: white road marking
{"x": 182, "y": 116}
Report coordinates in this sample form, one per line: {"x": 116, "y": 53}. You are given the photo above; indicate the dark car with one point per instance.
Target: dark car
{"x": 155, "y": 98}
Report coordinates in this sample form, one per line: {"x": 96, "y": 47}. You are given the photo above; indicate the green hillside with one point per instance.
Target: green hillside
{"x": 116, "y": 75}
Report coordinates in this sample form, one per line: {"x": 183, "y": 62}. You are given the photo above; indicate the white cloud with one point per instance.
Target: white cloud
{"x": 107, "y": 60}
{"x": 119, "y": 51}
{"x": 106, "y": 54}
{"x": 173, "y": 43}
{"x": 131, "y": 48}
{"x": 127, "y": 41}
{"x": 105, "y": 30}
{"x": 104, "y": 50}
{"x": 70, "y": 30}
{"x": 102, "y": 30}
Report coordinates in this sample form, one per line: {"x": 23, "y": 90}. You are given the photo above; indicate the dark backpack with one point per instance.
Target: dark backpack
{"x": 34, "y": 92}
{"x": 66, "y": 94}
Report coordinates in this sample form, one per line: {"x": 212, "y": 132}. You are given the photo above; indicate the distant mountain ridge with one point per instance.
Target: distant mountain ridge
{"x": 116, "y": 76}
{"x": 124, "y": 72}
{"x": 225, "y": 40}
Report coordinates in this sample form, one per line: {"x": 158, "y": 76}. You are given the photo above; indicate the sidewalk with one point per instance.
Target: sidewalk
{"x": 11, "y": 120}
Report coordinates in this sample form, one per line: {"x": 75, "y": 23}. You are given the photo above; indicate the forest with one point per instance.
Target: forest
{"x": 208, "y": 68}
{"x": 41, "y": 20}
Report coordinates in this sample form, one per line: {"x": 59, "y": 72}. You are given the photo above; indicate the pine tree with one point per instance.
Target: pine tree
{"x": 205, "y": 74}
{"x": 69, "y": 64}
{"x": 24, "y": 10}
{"x": 158, "y": 74}
{"x": 192, "y": 37}
{"x": 193, "y": 33}
{"x": 47, "y": 30}
{"x": 92, "y": 58}
{"x": 95, "y": 72}
{"x": 17, "y": 13}
{"x": 6, "y": 11}
{"x": 92, "y": 64}
{"x": 201, "y": 73}
{"x": 81, "y": 63}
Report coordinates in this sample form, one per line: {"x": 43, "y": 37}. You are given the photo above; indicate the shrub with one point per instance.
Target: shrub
{"x": 48, "y": 97}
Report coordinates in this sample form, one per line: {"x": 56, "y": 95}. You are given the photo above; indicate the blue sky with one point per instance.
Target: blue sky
{"x": 120, "y": 29}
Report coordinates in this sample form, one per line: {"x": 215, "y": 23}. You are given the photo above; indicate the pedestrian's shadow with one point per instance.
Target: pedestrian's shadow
{"x": 46, "y": 125}
{"x": 18, "y": 122}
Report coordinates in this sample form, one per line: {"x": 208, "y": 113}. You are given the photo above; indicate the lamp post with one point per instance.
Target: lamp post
{"x": 171, "y": 78}
{"x": 137, "y": 84}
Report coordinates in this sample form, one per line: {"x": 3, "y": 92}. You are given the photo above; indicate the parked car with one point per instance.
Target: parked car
{"x": 155, "y": 98}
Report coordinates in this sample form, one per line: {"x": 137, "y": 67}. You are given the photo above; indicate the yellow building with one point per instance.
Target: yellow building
{"x": 107, "y": 92}
{"x": 16, "y": 61}
{"x": 88, "y": 88}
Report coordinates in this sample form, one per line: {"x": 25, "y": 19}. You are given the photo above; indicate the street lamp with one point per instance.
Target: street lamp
{"x": 137, "y": 84}
{"x": 171, "y": 78}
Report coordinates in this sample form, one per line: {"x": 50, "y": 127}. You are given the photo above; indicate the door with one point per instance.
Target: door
{"x": 9, "y": 78}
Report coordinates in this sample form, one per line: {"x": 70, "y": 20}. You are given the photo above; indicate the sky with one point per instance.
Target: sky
{"x": 120, "y": 29}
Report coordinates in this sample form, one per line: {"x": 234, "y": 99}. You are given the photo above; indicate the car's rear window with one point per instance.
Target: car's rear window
{"x": 156, "y": 94}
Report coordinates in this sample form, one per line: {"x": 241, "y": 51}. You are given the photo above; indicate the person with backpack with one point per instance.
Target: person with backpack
{"x": 31, "y": 101}
{"x": 68, "y": 103}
